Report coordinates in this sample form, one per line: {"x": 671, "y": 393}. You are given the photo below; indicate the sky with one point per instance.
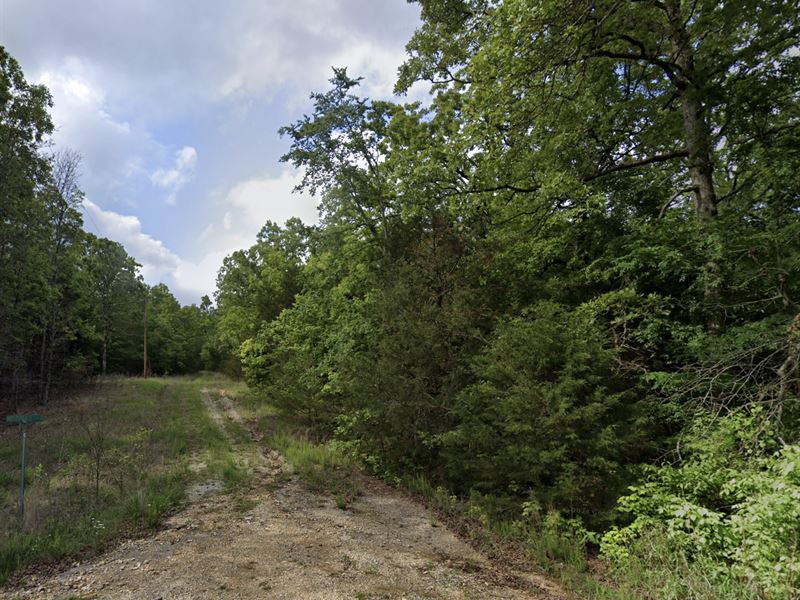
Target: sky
{"x": 174, "y": 106}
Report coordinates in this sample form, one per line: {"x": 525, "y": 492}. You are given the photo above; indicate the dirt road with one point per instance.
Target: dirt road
{"x": 288, "y": 543}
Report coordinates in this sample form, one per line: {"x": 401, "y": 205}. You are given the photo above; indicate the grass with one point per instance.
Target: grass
{"x": 495, "y": 526}
{"x": 323, "y": 466}
{"x": 656, "y": 569}
{"x": 111, "y": 462}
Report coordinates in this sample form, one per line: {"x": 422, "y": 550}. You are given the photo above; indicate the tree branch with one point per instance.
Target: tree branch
{"x": 668, "y": 67}
{"x": 632, "y": 164}
{"x": 675, "y": 196}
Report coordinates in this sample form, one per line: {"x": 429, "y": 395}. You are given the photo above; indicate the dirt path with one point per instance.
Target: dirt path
{"x": 289, "y": 544}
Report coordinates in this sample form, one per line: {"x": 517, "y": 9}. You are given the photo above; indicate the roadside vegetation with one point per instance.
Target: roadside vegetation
{"x": 324, "y": 466}
{"x": 561, "y": 293}
{"x": 559, "y": 296}
{"x": 110, "y": 462}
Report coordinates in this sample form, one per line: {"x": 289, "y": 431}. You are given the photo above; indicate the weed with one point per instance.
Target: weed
{"x": 109, "y": 463}
{"x": 243, "y": 505}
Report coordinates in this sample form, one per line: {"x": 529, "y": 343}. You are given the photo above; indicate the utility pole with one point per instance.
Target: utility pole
{"x": 144, "y": 370}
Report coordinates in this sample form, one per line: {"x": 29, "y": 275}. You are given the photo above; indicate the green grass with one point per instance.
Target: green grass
{"x": 150, "y": 431}
{"x": 656, "y": 569}
{"x": 322, "y": 465}
{"x": 496, "y": 527}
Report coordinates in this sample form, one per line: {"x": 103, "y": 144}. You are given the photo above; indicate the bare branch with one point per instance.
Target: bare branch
{"x": 675, "y": 196}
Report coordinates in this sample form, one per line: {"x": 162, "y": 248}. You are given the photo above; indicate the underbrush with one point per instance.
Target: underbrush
{"x": 111, "y": 462}
{"x": 504, "y": 529}
{"x": 721, "y": 522}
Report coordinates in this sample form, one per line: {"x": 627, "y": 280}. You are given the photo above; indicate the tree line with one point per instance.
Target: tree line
{"x": 566, "y": 287}
{"x": 72, "y": 305}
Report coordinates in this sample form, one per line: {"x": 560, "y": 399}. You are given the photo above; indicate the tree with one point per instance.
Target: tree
{"x": 62, "y": 197}
{"x": 567, "y": 102}
{"x": 255, "y": 285}
{"x": 71, "y": 304}
{"x": 340, "y": 148}
{"x": 118, "y": 302}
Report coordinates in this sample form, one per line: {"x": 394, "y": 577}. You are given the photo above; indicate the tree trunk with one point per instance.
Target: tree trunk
{"x": 695, "y": 127}
{"x": 49, "y": 378}
{"x": 48, "y": 366}
{"x": 698, "y": 140}
{"x": 42, "y": 355}
{"x": 701, "y": 169}
{"x": 104, "y": 358}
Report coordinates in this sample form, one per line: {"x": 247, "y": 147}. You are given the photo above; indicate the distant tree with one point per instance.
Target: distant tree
{"x": 118, "y": 302}
{"x": 63, "y": 197}
{"x": 255, "y": 285}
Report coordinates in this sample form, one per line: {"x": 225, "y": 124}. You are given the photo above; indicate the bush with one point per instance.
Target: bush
{"x": 732, "y": 505}
{"x": 548, "y": 417}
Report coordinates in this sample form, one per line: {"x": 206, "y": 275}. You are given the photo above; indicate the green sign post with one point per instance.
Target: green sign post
{"x": 23, "y": 421}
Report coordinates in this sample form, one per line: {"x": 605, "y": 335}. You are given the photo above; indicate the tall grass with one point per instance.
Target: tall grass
{"x": 111, "y": 462}
{"x": 322, "y": 465}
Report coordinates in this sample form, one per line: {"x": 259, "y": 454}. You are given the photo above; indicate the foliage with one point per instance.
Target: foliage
{"x": 581, "y": 250}
{"x": 253, "y": 287}
{"x": 730, "y": 505}
{"x": 547, "y": 387}
{"x": 571, "y": 260}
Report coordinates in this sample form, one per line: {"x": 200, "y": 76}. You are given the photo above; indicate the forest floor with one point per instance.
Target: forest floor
{"x": 275, "y": 538}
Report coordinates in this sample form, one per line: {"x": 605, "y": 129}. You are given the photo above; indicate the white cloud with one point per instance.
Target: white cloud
{"x": 221, "y": 76}
{"x": 186, "y": 158}
{"x": 291, "y": 49}
{"x": 249, "y": 204}
{"x": 254, "y": 201}
{"x": 156, "y": 259}
{"x": 207, "y": 51}
{"x": 207, "y": 232}
{"x": 187, "y": 280}
{"x": 112, "y": 149}
{"x": 180, "y": 174}
{"x": 192, "y": 280}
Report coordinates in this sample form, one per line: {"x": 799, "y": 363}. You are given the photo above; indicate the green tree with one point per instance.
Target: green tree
{"x": 255, "y": 285}
{"x": 24, "y": 126}
{"x": 118, "y": 298}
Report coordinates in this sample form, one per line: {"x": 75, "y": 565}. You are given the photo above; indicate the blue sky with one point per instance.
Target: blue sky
{"x": 175, "y": 106}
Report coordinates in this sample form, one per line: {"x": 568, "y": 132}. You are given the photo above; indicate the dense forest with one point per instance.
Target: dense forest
{"x": 564, "y": 289}
{"x": 72, "y": 305}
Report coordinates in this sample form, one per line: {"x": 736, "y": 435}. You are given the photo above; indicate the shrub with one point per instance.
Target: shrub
{"x": 732, "y": 505}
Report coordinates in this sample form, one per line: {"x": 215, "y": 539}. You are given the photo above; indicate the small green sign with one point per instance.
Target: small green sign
{"x": 24, "y": 419}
